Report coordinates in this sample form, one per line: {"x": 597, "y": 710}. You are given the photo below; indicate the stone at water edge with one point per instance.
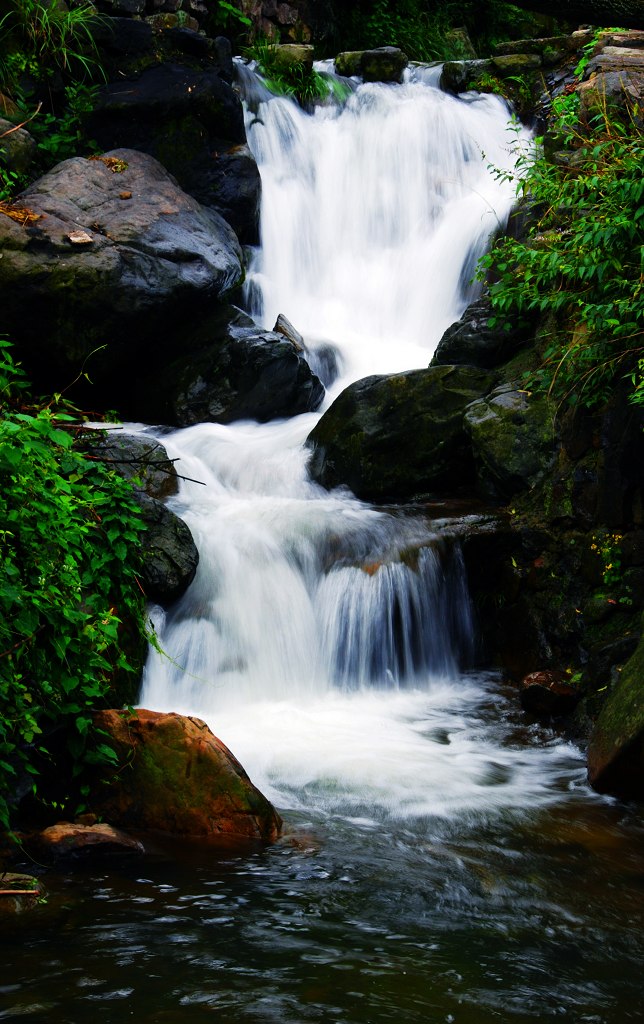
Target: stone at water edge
{"x": 72, "y": 839}
{"x": 180, "y": 779}
{"x": 19, "y": 893}
{"x": 616, "y": 747}
{"x": 548, "y": 693}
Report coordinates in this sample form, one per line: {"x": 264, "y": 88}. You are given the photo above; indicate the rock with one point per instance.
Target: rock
{"x": 18, "y": 149}
{"x": 192, "y": 121}
{"x": 67, "y": 839}
{"x": 286, "y": 55}
{"x": 123, "y": 37}
{"x": 513, "y": 440}
{"x": 135, "y": 456}
{"x": 616, "y": 748}
{"x": 170, "y": 555}
{"x": 384, "y": 64}
{"x": 548, "y": 693}
{"x": 234, "y": 370}
{"x": 19, "y": 893}
{"x": 462, "y": 75}
{"x": 179, "y": 778}
{"x": 617, "y": 94}
{"x": 516, "y": 63}
{"x": 348, "y": 63}
{"x": 149, "y": 259}
{"x": 391, "y": 438}
{"x": 473, "y": 342}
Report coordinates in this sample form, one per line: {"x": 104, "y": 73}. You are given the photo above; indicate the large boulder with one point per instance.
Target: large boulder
{"x": 230, "y": 370}
{"x": 109, "y": 253}
{"x": 191, "y": 120}
{"x": 396, "y": 437}
{"x": 179, "y": 778}
{"x": 513, "y": 440}
{"x": 616, "y": 748}
{"x": 144, "y": 460}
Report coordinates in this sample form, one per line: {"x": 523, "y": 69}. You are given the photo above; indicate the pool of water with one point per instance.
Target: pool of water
{"x": 366, "y": 911}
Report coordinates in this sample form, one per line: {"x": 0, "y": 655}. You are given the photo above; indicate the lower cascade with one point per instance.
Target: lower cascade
{"x": 324, "y": 640}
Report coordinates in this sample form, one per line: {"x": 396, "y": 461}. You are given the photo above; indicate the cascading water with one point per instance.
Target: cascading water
{"x": 319, "y": 629}
{"x": 444, "y": 862}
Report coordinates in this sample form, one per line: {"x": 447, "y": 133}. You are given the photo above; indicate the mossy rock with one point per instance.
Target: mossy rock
{"x": 616, "y": 749}
{"x": 391, "y": 438}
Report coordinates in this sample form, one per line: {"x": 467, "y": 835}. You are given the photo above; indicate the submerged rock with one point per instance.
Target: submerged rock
{"x": 179, "y": 778}
{"x": 391, "y": 438}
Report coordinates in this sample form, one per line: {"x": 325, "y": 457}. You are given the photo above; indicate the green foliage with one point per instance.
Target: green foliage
{"x": 295, "y": 79}
{"x": 63, "y": 136}
{"x": 582, "y": 262}
{"x": 40, "y": 36}
{"x": 68, "y": 584}
{"x": 424, "y": 30}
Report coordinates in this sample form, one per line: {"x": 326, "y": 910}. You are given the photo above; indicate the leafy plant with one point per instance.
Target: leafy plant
{"x": 582, "y": 262}
{"x": 45, "y": 34}
{"x": 69, "y": 593}
{"x": 295, "y": 79}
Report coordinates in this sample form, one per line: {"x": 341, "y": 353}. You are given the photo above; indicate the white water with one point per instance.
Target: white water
{"x": 329, "y": 665}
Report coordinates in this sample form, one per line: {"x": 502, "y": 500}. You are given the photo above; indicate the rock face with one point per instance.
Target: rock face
{"x": 394, "y": 437}
{"x": 116, "y": 253}
{"x": 179, "y": 778}
{"x": 616, "y": 749}
{"x": 513, "y": 440}
{"x": 191, "y": 120}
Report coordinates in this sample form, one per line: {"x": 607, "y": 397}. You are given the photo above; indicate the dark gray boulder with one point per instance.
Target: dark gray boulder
{"x": 475, "y": 341}
{"x": 235, "y": 370}
{"x": 138, "y": 458}
{"x": 391, "y": 438}
{"x": 191, "y": 120}
{"x": 383, "y": 64}
{"x": 110, "y": 255}
{"x": 170, "y": 556}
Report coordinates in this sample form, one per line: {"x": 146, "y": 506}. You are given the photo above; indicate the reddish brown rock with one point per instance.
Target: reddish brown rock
{"x": 19, "y": 893}
{"x": 70, "y": 839}
{"x": 548, "y": 693}
{"x": 179, "y": 778}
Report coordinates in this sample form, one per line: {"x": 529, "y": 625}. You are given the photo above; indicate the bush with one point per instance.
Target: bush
{"x": 582, "y": 262}
{"x": 69, "y": 593}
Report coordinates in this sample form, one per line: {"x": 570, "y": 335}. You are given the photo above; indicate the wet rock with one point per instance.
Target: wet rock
{"x": 123, "y": 37}
{"x": 462, "y": 75}
{"x": 170, "y": 555}
{"x": 393, "y": 437}
{"x": 179, "y": 778}
{"x": 70, "y": 839}
{"x": 548, "y": 693}
{"x": 513, "y": 440}
{"x": 516, "y": 63}
{"x": 472, "y": 341}
{"x": 126, "y": 292}
{"x": 288, "y": 55}
{"x": 138, "y": 458}
{"x": 616, "y": 748}
{"x": 384, "y": 64}
{"x": 235, "y": 370}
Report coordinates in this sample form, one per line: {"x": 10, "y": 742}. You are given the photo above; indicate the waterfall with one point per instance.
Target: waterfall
{"x": 323, "y": 639}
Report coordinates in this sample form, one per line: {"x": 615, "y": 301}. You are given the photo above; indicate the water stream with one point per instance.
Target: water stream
{"x": 444, "y": 860}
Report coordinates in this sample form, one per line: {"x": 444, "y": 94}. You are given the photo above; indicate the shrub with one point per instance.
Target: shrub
{"x": 582, "y": 262}
{"x": 69, "y": 592}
